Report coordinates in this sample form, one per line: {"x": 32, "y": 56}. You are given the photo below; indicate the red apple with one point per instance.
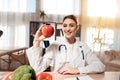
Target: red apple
{"x": 9, "y": 76}
{"x": 47, "y": 30}
{"x": 44, "y": 76}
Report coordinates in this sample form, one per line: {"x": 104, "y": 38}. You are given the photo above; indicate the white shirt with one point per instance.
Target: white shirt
{"x": 77, "y": 55}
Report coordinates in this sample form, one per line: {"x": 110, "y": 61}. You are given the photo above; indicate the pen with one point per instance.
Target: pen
{"x": 77, "y": 78}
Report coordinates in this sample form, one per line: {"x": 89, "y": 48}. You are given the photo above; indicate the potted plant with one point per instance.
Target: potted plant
{"x": 43, "y": 15}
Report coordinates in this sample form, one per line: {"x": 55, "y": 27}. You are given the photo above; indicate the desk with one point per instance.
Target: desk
{"x": 9, "y": 51}
{"x": 102, "y": 76}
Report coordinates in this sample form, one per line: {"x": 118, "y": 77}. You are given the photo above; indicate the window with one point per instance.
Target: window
{"x": 102, "y": 8}
{"x": 99, "y": 34}
{"x": 17, "y": 5}
{"x": 104, "y": 37}
{"x": 61, "y": 6}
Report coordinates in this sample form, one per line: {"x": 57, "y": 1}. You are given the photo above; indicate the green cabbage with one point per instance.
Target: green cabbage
{"x": 24, "y": 72}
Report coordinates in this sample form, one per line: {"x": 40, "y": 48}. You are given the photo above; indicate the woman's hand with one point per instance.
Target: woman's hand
{"x": 68, "y": 70}
{"x": 38, "y": 37}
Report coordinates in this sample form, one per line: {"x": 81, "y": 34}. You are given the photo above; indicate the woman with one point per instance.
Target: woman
{"x": 69, "y": 56}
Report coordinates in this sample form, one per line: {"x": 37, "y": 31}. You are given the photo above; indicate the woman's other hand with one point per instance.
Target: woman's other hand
{"x": 68, "y": 70}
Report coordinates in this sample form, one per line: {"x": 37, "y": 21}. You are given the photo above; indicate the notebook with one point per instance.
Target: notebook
{"x": 86, "y": 77}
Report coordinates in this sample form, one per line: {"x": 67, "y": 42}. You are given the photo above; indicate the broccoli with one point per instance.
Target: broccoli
{"x": 24, "y": 72}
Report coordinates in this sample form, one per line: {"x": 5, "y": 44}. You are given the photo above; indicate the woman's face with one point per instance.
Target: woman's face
{"x": 69, "y": 28}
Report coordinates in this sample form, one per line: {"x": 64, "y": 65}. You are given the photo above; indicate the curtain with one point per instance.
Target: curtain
{"x": 15, "y": 16}
{"x": 57, "y": 9}
{"x": 14, "y": 21}
{"x": 108, "y": 23}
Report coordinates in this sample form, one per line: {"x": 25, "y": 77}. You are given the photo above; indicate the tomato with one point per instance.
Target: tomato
{"x": 9, "y": 76}
{"x": 47, "y": 30}
{"x": 44, "y": 76}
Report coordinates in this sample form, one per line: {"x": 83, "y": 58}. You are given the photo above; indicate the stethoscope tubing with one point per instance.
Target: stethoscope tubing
{"x": 63, "y": 45}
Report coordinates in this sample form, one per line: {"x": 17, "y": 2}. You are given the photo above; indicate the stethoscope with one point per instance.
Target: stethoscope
{"x": 65, "y": 48}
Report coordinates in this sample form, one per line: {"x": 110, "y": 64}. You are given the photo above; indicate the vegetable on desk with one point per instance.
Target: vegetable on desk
{"x": 44, "y": 76}
{"x": 9, "y": 76}
{"x": 24, "y": 72}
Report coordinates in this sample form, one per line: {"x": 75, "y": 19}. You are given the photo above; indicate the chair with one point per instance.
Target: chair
{"x": 16, "y": 59}
{"x": 46, "y": 44}
{"x": 112, "y": 60}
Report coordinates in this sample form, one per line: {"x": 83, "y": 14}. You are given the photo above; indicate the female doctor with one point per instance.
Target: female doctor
{"x": 69, "y": 56}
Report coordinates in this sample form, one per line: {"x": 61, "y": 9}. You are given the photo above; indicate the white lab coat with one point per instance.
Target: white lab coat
{"x": 59, "y": 56}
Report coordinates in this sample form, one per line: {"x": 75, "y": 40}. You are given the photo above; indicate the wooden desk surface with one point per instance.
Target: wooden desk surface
{"x": 101, "y": 76}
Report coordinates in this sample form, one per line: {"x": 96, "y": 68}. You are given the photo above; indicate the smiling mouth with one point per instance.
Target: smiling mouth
{"x": 67, "y": 33}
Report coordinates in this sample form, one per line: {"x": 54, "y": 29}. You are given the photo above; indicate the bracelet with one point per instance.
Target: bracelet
{"x": 36, "y": 40}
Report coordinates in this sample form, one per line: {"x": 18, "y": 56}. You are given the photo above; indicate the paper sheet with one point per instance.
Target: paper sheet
{"x": 86, "y": 77}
